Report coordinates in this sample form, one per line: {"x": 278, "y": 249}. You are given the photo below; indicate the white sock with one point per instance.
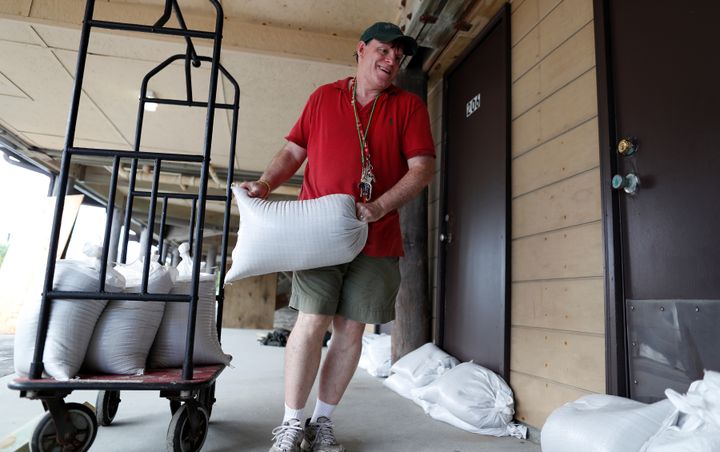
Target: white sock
{"x": 291, "y": 413}
{"x": 322, "y": 409}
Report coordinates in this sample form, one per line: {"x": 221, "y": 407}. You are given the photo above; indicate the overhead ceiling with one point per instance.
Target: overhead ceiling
{"x": 279, "y": 51}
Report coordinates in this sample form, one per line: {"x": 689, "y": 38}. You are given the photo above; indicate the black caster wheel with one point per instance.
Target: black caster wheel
{"x": 188, "y": 428}
{"x": 206, "y": 398}
{"x": 106, "y": 406}
{"x": 82, "y": 418}
{"x": 174, "y": 406}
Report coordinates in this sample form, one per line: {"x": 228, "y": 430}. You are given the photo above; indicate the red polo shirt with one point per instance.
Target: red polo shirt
{"x": 400, "y": 129}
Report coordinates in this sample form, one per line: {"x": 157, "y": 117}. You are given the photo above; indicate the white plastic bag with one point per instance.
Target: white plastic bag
{"x": 375, "y": 356}
{"x": 168, "y": 350}
{"x": 602, "y": 423}
{"x": 473, "y": 394}
{"x": 71, "y": 322}
{"x": 126, "y": 329}
{"x": 294, "y": 235}
{"x": 694, "y": 426}
{"x": 424, "y": 365}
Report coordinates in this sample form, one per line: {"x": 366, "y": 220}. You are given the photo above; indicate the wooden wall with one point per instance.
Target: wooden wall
{"x": 557, "y": 333}
{"x": 250, "y": 302}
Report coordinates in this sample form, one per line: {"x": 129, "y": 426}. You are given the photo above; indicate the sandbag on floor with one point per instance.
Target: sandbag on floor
{"x": 694, "y": 426}
{"x": 602, "y": 423}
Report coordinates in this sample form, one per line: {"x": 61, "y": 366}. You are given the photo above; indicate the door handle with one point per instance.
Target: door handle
{"x": 629, "y": 183}
{"x": 627, "y": 146}
{"x": 446, "y": 238}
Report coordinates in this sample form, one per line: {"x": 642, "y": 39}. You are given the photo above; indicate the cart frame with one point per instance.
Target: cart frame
{"x": 192, "y": 385}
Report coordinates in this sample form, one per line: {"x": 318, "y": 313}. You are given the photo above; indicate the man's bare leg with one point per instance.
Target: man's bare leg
{"x": 302, "y": 357}
{"x": 341, "y": 360}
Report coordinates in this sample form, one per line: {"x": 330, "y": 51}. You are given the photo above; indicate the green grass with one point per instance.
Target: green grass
{"x": 3, "y": 251}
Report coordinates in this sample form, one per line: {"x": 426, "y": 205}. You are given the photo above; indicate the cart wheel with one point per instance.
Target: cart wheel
{"x": 206, "y": 397}
{"x": 45, "y": 438}
{"x": 188, "y": 428}
{"x": 107, "y": 406}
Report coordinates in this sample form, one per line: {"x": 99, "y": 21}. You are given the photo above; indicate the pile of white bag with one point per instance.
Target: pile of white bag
{"x": 605, "y": 423}
{"x": 71, "y": 323}
{"x": 119, "y": 336}
{"x": 466, "y": 395}
{"x": 294, "y": 235}
{"x": 375, "y": 357}
{"x": 168, "y": 350}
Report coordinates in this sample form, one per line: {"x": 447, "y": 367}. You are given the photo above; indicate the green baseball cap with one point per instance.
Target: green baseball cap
{"x": 387, "y": 32}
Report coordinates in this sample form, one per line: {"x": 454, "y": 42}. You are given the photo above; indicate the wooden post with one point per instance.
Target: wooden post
{"x": 413, "y": 311}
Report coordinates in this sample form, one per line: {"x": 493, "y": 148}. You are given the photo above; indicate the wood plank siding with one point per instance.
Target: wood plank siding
{"x": 558, "y": 326}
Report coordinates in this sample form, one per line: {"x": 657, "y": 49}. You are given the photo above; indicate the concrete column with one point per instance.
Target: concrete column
{"x": 165, "y": 250}
{"x": 115, "y": 236}
{"x": 211, "y": 259}
{"x": 175, "y": 257}
{"x": 144, "y": 237}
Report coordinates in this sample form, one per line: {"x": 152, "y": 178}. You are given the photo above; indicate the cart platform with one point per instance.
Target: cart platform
{"x": 156, "y": 379}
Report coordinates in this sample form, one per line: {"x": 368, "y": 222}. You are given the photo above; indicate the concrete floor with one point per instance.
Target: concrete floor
{"x": 250, "y": 403}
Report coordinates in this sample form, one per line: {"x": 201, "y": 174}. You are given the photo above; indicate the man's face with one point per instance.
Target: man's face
{"x": 378, "y": 62}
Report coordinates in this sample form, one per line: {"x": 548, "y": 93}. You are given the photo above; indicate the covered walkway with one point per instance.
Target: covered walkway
{"x": 371, "y": 418}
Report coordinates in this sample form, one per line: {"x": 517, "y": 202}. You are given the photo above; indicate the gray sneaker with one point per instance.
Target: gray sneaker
{"x": 319, "y": 437}
{"x": 287, "y": 437}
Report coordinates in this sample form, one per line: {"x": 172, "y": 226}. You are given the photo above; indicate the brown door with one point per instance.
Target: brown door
{"x": 475, "y": 216}
{"x": 664, "y": 72}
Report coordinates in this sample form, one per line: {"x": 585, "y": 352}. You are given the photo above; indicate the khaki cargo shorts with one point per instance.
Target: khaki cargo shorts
{"x": 363, "y": 290}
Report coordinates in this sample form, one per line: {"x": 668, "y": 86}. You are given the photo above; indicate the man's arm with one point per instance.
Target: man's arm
{"x": 285, "y": 163}
{"x": 420, "y": 173}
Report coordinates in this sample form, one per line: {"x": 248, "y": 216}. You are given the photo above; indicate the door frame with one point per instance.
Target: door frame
{"x": 502, "y": 15}
{"x": 616, "y": 357}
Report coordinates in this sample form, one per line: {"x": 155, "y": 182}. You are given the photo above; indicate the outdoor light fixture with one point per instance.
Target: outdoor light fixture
{"x": 150, "y": 106}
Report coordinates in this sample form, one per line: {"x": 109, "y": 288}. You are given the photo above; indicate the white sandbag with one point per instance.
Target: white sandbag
{"x": 400, "y": 385}
{"x": 375, "y": 357}
{"x": 694, "y": 426}
{"x": 126, "y": 329}
{"x": 168, "y": 350}
{"x": 294, "y": 235}
{"x": 424, "y": 365}
{"x": 71, "y": 322}
{"x": 474, "y": 395}
{"x": 602, "y": 423}
{"x": 442, "y": 414}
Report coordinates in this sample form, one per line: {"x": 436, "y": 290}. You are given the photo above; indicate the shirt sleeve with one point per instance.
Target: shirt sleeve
{"x": 417, "y": 139}
{"x": 300, "y": 133}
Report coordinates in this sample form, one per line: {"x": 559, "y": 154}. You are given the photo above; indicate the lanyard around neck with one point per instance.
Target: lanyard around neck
{"x": 362, "y": 137}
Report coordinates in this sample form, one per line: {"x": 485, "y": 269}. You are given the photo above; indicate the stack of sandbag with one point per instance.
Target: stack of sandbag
{"x": 168, "y": 350}
{"x": 602, "y": 423}
{"x": 126, "y": 329}
{"x": 419, "y": 368}
{"x": 694, "y": 425}
{"x": 294, "y": 235}
{"x": 465, "y": 395}
{"x": 71, "y": 323}
{"x": 375, "y": 357}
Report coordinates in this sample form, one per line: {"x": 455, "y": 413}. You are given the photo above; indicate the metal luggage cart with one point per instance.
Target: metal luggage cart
{"x": 73, "y": 426}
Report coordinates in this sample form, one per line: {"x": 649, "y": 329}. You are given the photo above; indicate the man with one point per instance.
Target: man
{"x": 365, "y": 137}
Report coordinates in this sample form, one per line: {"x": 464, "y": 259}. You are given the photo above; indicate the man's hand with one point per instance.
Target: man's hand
{"x": 370, "y": 211}
{"x": 256, "y": 189}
